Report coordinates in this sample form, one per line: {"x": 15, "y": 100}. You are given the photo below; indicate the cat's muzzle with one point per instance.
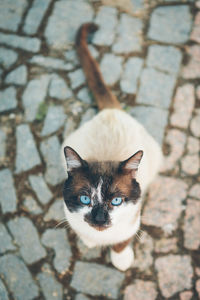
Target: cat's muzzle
{"x": 98, "y": 218}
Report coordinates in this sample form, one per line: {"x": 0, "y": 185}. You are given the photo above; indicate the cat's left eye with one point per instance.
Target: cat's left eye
{"x": 116, "y": 201}
{"x": 85, "y": 200}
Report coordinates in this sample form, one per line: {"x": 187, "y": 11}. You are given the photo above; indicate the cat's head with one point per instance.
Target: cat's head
{"x": 98, "y": 190}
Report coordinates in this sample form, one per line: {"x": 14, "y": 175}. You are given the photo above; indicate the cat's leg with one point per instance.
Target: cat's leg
{"x": 122, "y": 255}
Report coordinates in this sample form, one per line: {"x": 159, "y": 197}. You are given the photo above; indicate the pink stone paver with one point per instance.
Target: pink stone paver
{"x": 190, "y": 164}
{"x": 195, "y": 35}
{"x": 174, "y": 273}
{"x": 193, "y": 145}
{"x": 198, "y": 287}
{"x": 164, "y": 205}
{"x": 176, "y": 139}
{"x": 197, "y": 271}
{"x": 187, "y": 295}
{"x": 195, "y": 126}
{"x": 198, "y": 92}
{"x": 195, "y": 191}
{"x": 192, "y": 69}
{"x": 183, "y": 106}
{"x": 140, "y": 290}
{"x": 191, "y": 225}
{"x": 165, "y": 245}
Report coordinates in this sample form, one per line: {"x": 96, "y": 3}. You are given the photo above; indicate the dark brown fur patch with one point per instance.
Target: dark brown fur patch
{"x": 121, "y": 246}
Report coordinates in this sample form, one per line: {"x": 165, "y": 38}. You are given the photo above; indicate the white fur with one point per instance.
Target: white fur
{"x": 114, "y": 135}
{"x": 124, "y": 259}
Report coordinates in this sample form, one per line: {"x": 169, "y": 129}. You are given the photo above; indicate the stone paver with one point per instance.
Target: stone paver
{"x": 165, "y": 203}
{"x": 18, "y": 277}
{"x": 35, "y": 15}
{"x": 57, "y": 240}
{"x": 8, "y": 99}
{"x": 41, "y": 189}
{"x": 21, "y": 42}
{"x": 174, "y": 273}
{"x": 11, "y": 13}
{"x": 111, "y": 68}
{"x": 107, "y": 21}
{"x": 129, "y": 33}
{"x": 27, "y": 238}
{"x": 27, "y": 156}
{"x": 140, "y": 290}
{"x": 17, "y": 76}
{"x": 66, "y": 18}
{"x": 149, "y": 52}
{"x": 51, "y": 289}
{"x": 50, "y": 149}
{"x": 166, "y": 24}
{"x": 191, "y": 222}
{"x": 158, "y": 94}
{"x": 7, "y": 57}
{"x": 96, "y": 280}
{"x": 8, "y": 199}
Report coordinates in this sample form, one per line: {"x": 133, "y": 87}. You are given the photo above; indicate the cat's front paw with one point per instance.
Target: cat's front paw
{"x": 122, "y": 260}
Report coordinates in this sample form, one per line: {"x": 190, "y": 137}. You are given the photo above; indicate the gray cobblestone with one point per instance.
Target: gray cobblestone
{"x": 8, "y": 197}
{"x": 69, "y": 127}
{"x": 6, "y": 241}
{"x": 158, "y": 94}
{"x": 57, "y": 240}
{"x": 156, "y": 124}
{"x": 85, "y": 96}
{"x": 111, "y": 68}
{"x": 27, "y": 156}
{"x": 86, "y": 252}
{"x": 34, "y": 95}
{"x": 18, "y": 277}
{"x": 41, "y": 189}
{"x": 59, "y": 89}
{"x": 166, "y": 24}
{"x": 55, "y": 119}
{"x": 11, "y": 13}
{"x": 81, "y": 297}
{"x": 17, "y": 76}
{"x": 7, "y": 57}
{"x": 2, "y": 144}
{"x": 169, "y": 58}
{"x": 3, "y": 291}
{"x": 130, "y": 76}
{"x": 50, "y": 149}
{"x": 8, "y": 99}
{"x": 31, "y": 206}
{"x": 128, "y": 35}
{"x": 88, "y": 115}
{"x": 77, "y": 78}
{"x": 21, "y": 42}
{"x": 96, "y": 280}
{"x": 195, "y": 191}
{"x": 107, "y": 21}
{"x": 51, "y": 288}
{"x": 35, "y": 15}
{"x": 51, "y": 63}
{"x": 27, "y": 239}
{"x": 56, "y": 212}
{"x": 66, "y": 18}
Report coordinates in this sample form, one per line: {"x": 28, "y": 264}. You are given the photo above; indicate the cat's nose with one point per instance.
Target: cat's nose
{"x": 100, "y": 215}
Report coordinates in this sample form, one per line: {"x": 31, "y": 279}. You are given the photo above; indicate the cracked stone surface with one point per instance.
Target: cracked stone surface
{"x": 149, "y": 53}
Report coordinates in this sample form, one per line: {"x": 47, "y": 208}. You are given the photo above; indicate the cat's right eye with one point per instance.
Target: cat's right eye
{"x": 85, "y": 200}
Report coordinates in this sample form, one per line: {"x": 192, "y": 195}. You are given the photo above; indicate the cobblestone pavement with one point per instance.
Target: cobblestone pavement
{"x": 149, "y": 52}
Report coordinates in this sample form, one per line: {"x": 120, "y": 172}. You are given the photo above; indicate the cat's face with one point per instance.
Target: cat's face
{"x": 100, "y": 190}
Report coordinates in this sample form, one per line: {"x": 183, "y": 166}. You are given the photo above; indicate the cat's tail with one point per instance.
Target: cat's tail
{"x": 104, "y": 97}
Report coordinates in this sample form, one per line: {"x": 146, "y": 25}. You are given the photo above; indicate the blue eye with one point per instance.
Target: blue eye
{"x": 85, "y": 200}
{"x": 116, "y": 201}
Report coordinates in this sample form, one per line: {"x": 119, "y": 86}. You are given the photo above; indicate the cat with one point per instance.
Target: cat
{"x": 110, "y": 160}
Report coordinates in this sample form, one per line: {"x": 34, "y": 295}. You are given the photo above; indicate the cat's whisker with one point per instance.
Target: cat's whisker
{"x": 63, "y": 221}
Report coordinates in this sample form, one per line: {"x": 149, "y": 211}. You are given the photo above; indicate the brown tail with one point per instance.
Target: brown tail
{"x": 102, "y": 94}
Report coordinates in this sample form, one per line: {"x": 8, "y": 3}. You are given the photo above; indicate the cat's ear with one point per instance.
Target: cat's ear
{"x": 73, "y": 160}
{"x": 131, "y": 164}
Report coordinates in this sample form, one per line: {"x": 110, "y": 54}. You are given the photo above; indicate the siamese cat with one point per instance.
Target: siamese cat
{"x": 110, "y": 160}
